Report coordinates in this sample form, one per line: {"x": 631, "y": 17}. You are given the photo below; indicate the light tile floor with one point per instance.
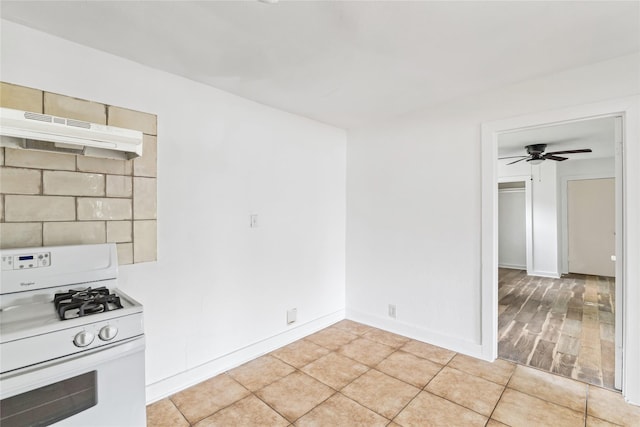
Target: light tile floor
{"x": 350, "y": 374}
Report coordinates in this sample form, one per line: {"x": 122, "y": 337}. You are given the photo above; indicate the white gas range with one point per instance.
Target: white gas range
{"x": 71, "y": 344}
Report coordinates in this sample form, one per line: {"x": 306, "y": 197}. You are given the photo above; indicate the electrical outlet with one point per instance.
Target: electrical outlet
{"x": 392, "y": 310}
{"x": 253, "y": 221}
{"x": 292, "y": 315}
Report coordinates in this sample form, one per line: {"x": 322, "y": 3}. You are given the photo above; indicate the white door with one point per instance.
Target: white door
{"x": 591, "y": 226}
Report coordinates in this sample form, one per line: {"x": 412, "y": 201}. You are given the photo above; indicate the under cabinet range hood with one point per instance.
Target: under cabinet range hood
{"x": 35, "y": 131}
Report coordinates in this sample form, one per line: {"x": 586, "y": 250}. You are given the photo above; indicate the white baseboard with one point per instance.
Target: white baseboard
{"x": 417, "y": 333}
{"x": 552, "y": 274}
{"x": 513, "y": 266}
{"x": 168, "y": 386}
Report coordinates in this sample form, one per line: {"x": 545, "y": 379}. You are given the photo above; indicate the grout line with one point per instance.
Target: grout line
{"x": 271, "y": 407}
{"x": 465, "y": 373}
{"x": 420, "y": 390}
{"x": 370, "y": 409}
{"x": 586, "y": 404}
{"x": 431, "y": 379}
{"x": 506, "y": 385}
{"x": 176, "y": 406}
{"x": 528, "y": 393}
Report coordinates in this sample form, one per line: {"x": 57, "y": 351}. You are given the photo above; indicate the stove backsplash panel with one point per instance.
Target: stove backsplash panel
{"x": 51, "y": 199}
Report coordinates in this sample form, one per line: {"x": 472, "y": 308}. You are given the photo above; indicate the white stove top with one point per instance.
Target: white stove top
{"x": 36, "y": 315}
{"x": 31, "y": 330}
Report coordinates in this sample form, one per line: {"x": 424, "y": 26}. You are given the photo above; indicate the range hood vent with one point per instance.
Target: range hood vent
{"x": 34, "y": 131}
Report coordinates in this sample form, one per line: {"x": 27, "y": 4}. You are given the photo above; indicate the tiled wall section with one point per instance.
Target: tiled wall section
{"x": 62, "y": 199}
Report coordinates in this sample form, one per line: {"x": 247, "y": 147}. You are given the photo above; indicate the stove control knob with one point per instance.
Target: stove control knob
{"x": 108, "y": 333}
{"x": 83, "y": 339}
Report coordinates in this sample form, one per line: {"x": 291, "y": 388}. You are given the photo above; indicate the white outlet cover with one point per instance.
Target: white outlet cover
{"x": 392, "y": 310}
{"x": 292, "y": 315}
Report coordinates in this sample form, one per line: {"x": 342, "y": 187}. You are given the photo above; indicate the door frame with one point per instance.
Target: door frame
{"x": 627, "y": 245}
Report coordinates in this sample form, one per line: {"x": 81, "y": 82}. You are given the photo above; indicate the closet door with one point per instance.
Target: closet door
{"x": 591, "y": 226}
{"x": 512, "y": 236}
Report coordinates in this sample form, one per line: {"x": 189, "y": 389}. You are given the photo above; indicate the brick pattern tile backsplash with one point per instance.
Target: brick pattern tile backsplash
{"x": 62, "y": 199}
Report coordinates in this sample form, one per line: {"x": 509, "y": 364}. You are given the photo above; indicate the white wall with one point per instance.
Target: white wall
{"x": 414, "y": 205}
{"x": 218, "y": 286}
{"x": 601, "y": 167}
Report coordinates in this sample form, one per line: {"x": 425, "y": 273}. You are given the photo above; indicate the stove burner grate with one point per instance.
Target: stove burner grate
{"x": 79, "y": 303}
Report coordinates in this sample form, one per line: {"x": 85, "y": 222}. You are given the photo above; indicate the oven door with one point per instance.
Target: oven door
{"x": 104, "y": 387}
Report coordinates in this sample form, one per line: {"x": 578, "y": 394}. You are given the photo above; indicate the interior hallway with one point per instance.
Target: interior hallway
{"x": 350, "y": 374}
{"x": 565, "y": 325}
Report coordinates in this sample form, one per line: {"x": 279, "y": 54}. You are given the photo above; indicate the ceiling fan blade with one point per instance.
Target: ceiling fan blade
{"x": 511, "y": 157}
{"x": 556, "y": 158}
{"x": 524, "y": 158}
{"x": 584, "y": 150}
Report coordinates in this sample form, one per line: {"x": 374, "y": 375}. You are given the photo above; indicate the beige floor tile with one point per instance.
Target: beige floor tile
{"x": 610, "y": 406}
{"x": 377, "y": 380}
{"x": 409, "y": 368}
{"x": 519, "y": 409}
{"x": 467, "y": 390}
{"x": 597, "y": 422}
{"x": 295, "y": 395}
{"x": 351, "y": 326}
{"x": 335, "y": 370}
{"x": 204, "y": 399}
{"x": 248, "y": 412}
{"x": 427, "y": 351}
{"x": 165, "y": 414}
{"x": 339, "y": 411}
{"x": 367, "y": 352}
{"x": 332, "y": 338}
{"x": 498, "y": 371}
{"x": 300, "y": 353}
{"x": 550, "y": 387}
{"x": 384, "y": 337}
{"x": 428, "y": 410}
{"x": 381, "y": 393}
{"x": 261, "y": 372}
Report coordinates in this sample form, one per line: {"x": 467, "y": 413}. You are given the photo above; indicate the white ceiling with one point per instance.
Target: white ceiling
{"x": 597, "y": 134}
{"x": 346, "y": 63}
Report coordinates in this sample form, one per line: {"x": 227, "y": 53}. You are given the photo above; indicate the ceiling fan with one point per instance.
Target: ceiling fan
{"x": 536, "y": 154}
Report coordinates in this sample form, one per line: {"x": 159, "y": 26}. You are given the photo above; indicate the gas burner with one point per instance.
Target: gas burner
{"x": 79, "y": 303}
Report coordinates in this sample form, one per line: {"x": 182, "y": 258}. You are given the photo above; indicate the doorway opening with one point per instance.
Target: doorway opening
{"x": 556, "y": 249}
{"x": 627, "y": 318}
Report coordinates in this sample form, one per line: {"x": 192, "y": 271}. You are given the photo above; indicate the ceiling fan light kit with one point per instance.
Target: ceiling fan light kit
{"x": 536, "y": 154}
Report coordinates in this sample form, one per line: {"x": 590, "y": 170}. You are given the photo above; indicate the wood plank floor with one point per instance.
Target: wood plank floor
{"x": 564, "y": 326}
